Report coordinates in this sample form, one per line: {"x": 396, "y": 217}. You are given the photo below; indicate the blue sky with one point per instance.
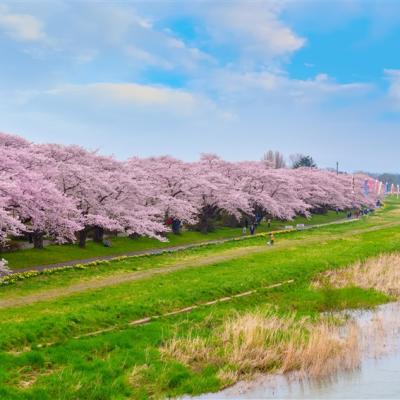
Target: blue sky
{"x": 185, "y": 77}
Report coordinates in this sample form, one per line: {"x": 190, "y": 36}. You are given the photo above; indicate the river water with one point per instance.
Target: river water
{"x": 377, "y": 377}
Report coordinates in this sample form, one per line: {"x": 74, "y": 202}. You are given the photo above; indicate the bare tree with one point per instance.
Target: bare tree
{"x": 274, "y": 159}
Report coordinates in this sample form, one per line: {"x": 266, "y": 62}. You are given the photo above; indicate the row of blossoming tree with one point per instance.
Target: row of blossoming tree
{"x": 66, "y": 192}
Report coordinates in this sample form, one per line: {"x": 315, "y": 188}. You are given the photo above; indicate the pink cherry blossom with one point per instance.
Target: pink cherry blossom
{"x": 68, "y": 192}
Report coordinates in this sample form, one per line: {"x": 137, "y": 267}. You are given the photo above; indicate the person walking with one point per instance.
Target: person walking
{"x": 252, "y": 229}
{"x": 244, "y": 230}
{"x": 269, "y": 223}
{"x": 271, "y": 239}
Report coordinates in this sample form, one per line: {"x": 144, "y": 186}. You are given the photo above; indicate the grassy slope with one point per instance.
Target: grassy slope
{"x": 99, "y": 367}
{"x": 56, "y": 254}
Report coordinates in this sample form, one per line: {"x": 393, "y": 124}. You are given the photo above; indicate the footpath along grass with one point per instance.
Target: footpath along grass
{"x": 185, "y": 258}
{"x": 127, "y": 363}
{"x": 53, "y": 254}
{"x": 95, "y": 309}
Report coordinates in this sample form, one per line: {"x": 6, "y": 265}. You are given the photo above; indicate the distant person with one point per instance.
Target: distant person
{"x": 169, "y": 221}
{"x": 244, "y": 230}
{"x": 252, "y": 229}
{"x": 269, "y": 223}
{"x": 176, "y": 226}
{"x": 271, "y": 239}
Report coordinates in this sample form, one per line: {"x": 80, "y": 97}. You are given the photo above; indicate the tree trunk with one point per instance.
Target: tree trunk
{"x": 37, "y": 240}
{"x": 98, "y": 236}
{"x": 82, "y": 238}
{"x": 206, "y": 220}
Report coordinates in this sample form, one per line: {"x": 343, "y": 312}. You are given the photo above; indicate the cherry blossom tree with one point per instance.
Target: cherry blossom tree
{"x": 319, "y": 189}
{"x": 105, "y": 197}
{"x": 9, "y": 225}
{"x": 218, "y": 191}
{"x": 130, "y": 201}
{"x": 13, "y": 141}
{"x": 272, "y": 192}
{"x": 324, "y": 190}
{"x": 354, "y": 189}
{"x": 29, "y": 199}
{"x": 171, "y": 185}
{"x": 67, "y": 191}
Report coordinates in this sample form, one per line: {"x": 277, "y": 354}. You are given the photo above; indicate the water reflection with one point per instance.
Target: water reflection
{"x": 378, "y": 376}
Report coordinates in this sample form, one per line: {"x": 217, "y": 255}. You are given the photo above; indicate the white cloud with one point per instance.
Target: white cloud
{"x": 126, "y": 32}
{"x": 256, "y": 26}
{"x": 139, "y": 34}
{"x": 236, "y": 97}
{"x": 277, "y": 87}
{"x": 325, "y": 85}
{"x": 147, "y": 58}
{"x": 114, "y": 101}
{"x": 23, "y": 27}
{"x": 112, "y": 24}
{"x": 128, "y": 93}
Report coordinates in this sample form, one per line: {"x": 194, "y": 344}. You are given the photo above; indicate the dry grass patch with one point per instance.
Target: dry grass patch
{"x": 192, "y": 350}
{"x": 266, "y": 343}
{"x": 135, "y": 377}
{"x": 228, "y": 376}
{"x": 27, "y": 376}
{"x": 380, "y": 273}
{"x": 325, "y": 352}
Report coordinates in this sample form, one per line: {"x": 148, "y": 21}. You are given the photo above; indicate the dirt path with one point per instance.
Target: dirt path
{"x": 98, "y": 283}
{"x": 227, "y": 255}
{"x": 164, "y": 249}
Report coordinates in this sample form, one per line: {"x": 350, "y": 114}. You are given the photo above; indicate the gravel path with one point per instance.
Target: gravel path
{"x": 162, "y": 250}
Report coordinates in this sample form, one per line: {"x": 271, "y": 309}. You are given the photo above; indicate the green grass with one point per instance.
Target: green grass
{"x": 99, "y": 367}
{"x": 53, "y": 254}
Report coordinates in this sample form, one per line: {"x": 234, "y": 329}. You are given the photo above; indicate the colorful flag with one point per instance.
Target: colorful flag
{"x": 380, "y": 188}
{"x": 366, "y": 187}
{"x": 371, "y": 184}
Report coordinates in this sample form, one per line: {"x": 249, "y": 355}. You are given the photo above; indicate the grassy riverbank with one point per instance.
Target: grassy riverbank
{"x": 131, "y": 361}
{"x": 53, "y": 254}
